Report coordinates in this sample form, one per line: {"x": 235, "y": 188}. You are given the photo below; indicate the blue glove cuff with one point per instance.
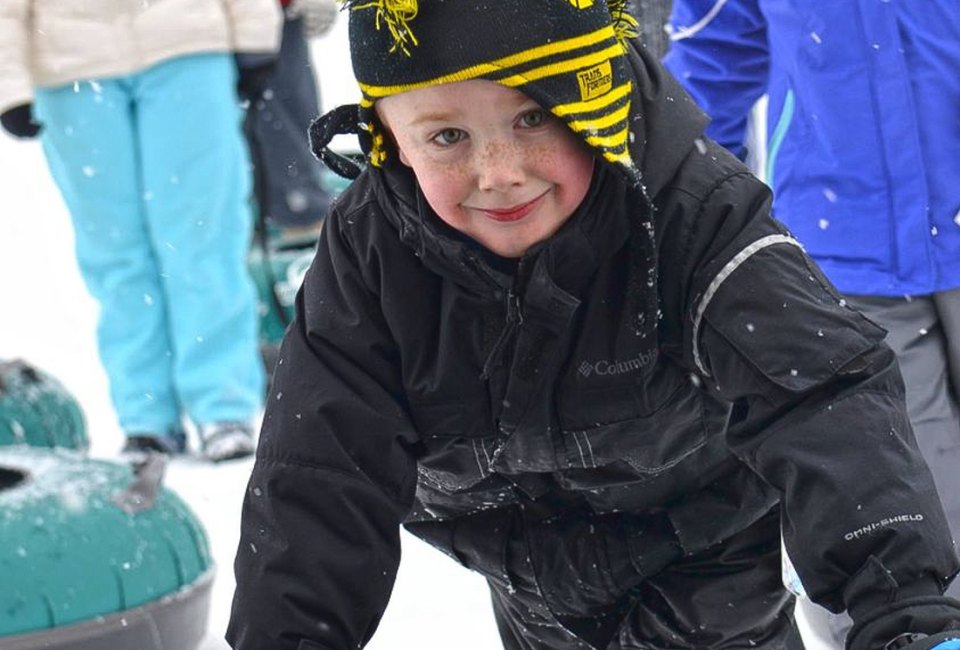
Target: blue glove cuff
{"x": 942, "y": 641}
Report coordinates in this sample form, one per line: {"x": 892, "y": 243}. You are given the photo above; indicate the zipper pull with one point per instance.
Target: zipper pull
{"x": 513, "y": 320}
{"x": 514, "y": 311}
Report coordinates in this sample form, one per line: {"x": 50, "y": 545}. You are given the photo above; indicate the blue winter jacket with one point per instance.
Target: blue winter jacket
{"x": 863, "y": 125}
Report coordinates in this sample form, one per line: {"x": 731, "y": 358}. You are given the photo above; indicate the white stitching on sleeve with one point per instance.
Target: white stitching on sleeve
{"x": 731, "y": 266}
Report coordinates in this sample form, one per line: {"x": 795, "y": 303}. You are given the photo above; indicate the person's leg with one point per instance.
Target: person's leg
{"x": 290, "y": 187}
{"x": 90, "y": 145}
{"x": 522, "y": 627}
{"x": 948, "y": 307}
{"x": 495, "y": 544}
{"x": 943, "y": 427}
{"x": 730, "y": 596}
{"x": 197, "y": 194}
{"x": 918, "y": 336}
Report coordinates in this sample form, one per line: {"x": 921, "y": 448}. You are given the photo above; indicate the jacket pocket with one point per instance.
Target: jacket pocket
{"x": 642, "y": 428}
{"x": 648, "y": 461}
{"x": 458, "y": 444}
{"x": 777, "y": 317}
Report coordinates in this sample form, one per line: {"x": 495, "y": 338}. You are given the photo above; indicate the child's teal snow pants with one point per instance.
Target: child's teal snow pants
{"x": 154, "y": 170}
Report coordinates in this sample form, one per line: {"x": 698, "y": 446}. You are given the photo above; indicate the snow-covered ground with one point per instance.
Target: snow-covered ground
{"x": 48, "y": 319}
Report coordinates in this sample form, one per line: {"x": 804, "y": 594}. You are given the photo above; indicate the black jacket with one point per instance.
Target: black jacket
{"x": 671, "y": 349}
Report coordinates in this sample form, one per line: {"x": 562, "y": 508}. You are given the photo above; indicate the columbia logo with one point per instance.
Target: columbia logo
{"x": 604, "y": 368}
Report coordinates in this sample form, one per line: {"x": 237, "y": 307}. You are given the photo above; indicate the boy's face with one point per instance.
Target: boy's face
{"x": 491, "y": 162}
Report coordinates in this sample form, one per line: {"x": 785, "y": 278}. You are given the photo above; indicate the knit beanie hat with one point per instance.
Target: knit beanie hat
{"x": 567, "y": 55}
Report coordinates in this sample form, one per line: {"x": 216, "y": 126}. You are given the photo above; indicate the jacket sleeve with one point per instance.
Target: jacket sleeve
{"x": 818, "y": 401}
{"x": 255, "y": 25}
{"x": 334, "y": 475}
{"x": 719, "y": 53}
{"x": 16, "y": 86}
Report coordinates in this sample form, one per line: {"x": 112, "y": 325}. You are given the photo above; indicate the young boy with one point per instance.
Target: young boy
{"x": 554, "y": 331}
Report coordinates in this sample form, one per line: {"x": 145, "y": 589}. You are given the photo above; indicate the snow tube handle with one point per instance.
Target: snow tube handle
{"x": 142, "y": 491}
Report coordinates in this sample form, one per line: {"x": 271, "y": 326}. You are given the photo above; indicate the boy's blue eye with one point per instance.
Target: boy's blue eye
{"x": 533, "y": 118}
{"x": 448, "y": 136}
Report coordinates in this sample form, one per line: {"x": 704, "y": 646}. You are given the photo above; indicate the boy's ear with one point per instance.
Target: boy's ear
{"x": 388, "y": 134}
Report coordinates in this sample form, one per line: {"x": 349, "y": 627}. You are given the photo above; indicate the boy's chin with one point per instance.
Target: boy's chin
{"x": 509, "y": 250}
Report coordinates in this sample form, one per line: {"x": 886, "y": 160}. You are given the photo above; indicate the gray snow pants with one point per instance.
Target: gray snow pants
{"x": 924, "y": 332}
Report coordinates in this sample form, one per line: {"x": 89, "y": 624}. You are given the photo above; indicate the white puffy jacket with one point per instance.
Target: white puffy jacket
{"x": 54, "y": 42}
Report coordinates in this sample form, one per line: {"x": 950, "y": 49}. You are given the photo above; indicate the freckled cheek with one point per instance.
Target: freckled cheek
{"x": 544, "y": 157}
{"x": 446, "y": 187}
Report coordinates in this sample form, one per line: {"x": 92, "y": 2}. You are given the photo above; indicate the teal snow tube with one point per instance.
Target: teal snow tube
{"x": 277, "y": 272}
{"x": 96, "y": 555}
{"x": 277, "y": 264}
{"x": 36, "y": 410}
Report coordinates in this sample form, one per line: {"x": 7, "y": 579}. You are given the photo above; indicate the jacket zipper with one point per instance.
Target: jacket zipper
{"x": 514, "y": 319}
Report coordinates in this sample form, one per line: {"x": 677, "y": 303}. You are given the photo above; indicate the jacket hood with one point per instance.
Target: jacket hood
{"x": 665, "y": 122}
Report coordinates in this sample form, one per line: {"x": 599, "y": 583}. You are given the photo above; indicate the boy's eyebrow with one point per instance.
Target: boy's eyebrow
{"x": 435, "y": 116}
{"x": 449, "y": 116}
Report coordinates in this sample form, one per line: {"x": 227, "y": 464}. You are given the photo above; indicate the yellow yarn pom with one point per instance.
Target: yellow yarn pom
{"x": 396, "y": 15}
{"x": 624, "y": 24}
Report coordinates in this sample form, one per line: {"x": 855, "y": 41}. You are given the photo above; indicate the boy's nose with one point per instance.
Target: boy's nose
{"x": 500, "y": 166}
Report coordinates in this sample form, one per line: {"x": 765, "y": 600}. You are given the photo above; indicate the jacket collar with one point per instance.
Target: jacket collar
{"x": 665, "y": 122}
{"x": 593, "y": 233}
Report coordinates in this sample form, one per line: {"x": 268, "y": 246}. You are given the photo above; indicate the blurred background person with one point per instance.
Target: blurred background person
{"x": 652, "y": 17}
{"x": 290, "y": 189}
{"x": 135, "y": 104}
{"x": 862, "y": 151}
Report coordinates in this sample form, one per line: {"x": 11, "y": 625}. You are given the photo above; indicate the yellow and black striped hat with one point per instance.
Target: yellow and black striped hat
{"x": 567, "y": 55}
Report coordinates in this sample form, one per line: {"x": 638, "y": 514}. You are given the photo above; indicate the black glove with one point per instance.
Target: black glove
{"x": 919, "y": 623}
{"x": 18, "y": 121}
{"x": 254, "y": 72}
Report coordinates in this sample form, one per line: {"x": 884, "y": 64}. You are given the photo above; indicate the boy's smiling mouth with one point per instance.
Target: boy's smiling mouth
{"x": 515, "y": 212}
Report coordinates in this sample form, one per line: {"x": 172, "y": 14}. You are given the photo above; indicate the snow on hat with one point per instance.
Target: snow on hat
{"x": 567, "y": 55}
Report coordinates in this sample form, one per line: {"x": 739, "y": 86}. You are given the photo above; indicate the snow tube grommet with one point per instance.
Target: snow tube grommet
{"x": 93, "y": 559}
